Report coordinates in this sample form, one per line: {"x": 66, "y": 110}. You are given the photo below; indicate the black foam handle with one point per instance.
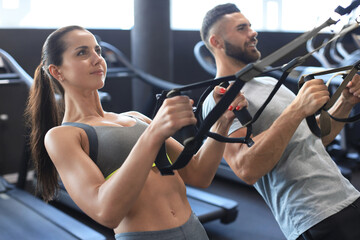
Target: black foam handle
{"x": 188, "y": 132}
{"x": 243, "y": 114}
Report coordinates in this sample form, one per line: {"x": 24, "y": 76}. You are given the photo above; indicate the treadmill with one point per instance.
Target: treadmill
{"x": 22, "y": 215}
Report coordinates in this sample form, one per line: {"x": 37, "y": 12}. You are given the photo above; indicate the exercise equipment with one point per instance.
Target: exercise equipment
{"x": 325, "y": 121}
{"x": 14, "y": 86}
{"x": 24, "y": 216}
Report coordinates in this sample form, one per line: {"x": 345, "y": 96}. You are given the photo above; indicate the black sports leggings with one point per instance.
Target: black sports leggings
{"x": 344, "y": 225}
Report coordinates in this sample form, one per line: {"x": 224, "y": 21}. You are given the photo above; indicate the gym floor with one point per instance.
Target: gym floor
{"x": 254, "y": 222}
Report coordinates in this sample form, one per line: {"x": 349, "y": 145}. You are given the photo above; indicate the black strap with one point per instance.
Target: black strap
{"x": 325, "y": 123}
{"x": 203, "y": 130}
{"x": 92, "y": 136}
{"x": 193, "y": 146}
{"x": 347, "y": 120}
{"x": 342, "y": 11}
{"x": 286, "y": 71}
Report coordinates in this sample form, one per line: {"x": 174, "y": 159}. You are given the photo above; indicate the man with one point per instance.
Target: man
{"x": 287, "y": 165}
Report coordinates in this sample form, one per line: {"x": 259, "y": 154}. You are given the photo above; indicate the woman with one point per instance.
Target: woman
{"x": 119, "y": 187}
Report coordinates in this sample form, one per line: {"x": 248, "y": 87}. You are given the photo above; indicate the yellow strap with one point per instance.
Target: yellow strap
{"x": 154, "y": 165}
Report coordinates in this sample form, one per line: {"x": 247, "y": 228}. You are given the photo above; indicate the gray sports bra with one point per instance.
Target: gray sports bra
{"x": 110, "y": 145}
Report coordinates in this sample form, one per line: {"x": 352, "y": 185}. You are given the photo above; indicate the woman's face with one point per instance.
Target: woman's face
{"x": 83, "y": 66}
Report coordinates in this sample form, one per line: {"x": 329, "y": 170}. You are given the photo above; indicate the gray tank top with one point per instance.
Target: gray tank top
{"x": 110, "y": 145}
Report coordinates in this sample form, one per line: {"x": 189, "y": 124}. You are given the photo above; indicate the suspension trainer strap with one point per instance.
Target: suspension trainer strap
{"x": 211, "y": 83}
{"x": 325, "y": 117}
{"x": 342, "y": 11}
{"x": 286, "y": 71}
{"x": 193, "y": 146}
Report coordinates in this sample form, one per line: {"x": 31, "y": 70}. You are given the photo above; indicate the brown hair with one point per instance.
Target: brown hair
{"x": 45, "y": 109}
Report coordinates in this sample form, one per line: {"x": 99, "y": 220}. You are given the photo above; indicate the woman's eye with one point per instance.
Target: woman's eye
{"x": 98, "y": 51}
{"x": 81, "y": 53}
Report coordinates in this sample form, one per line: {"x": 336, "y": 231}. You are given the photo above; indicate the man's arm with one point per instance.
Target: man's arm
{"x": 342, "y": 108}
{"x": 250, "y": 164}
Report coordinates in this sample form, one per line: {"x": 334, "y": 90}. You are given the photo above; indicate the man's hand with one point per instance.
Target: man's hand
{"x": 351, "y": 93}
{"x": 312, "y": 96}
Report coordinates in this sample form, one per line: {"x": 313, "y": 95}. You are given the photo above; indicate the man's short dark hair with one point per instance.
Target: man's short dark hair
{"x": 213, "y": 15}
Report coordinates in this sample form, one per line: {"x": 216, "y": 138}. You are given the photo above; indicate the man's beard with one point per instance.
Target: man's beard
{"x": 242, "y": 56}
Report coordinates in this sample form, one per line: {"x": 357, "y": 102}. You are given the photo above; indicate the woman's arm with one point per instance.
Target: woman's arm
{"x": 109, "y": 201}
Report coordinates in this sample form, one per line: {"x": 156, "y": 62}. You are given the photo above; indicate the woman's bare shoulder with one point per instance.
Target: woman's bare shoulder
{"x": 62, "y": 132}
{"x": 62, "y": 137}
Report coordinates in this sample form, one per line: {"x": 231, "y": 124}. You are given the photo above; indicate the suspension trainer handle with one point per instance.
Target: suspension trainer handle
{"x": 325, "y": 123}
{"x": 243, "y": 114}
{"x": 188, "y": 132}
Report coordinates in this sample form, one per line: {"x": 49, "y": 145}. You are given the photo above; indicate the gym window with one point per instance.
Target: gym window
{"x": 265, "y": 15}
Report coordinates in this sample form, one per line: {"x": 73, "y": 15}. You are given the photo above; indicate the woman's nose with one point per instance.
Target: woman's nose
{"x": 96, "y": 58}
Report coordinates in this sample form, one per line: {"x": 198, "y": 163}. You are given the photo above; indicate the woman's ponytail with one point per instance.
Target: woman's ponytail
{"x": 45, "y": 110}
{"x": 43, "y": 114}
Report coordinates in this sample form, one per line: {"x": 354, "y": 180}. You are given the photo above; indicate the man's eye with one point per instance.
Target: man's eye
{"x": 243, "y": 27}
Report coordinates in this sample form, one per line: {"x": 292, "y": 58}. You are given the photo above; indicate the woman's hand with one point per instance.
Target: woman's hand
{"x": 175, "y": 113}
{"x": 237, "y": 104}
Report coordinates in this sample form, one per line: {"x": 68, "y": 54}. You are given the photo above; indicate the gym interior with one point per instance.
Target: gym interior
{"x": 142, "y": 61}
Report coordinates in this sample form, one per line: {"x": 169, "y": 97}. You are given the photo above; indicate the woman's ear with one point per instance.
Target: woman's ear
{"x": 55, "y": 72}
